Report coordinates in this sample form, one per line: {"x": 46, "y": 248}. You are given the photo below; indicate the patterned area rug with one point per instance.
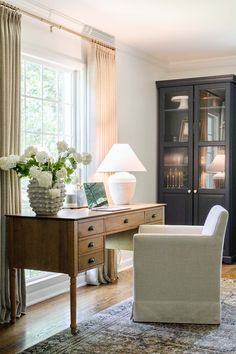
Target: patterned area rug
{"x": 113, "y": 332}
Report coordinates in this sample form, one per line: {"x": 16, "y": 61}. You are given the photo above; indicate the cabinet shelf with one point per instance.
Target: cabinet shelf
{"x": 211, "y": 107}
{"x": 176, "y": 109}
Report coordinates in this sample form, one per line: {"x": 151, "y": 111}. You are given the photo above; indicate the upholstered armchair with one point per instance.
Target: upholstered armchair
{"x": 177, "y": 271}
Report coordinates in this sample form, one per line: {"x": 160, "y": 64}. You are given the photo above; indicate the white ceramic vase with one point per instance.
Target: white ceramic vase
{"x": 40, "y": 200}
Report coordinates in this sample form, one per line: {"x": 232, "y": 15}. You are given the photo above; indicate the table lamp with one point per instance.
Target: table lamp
{"x": 121, "y": 159}
{"x": 217, "y": 167}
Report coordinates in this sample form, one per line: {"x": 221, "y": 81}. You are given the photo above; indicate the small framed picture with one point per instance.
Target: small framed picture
{"x": 183, "y": 134}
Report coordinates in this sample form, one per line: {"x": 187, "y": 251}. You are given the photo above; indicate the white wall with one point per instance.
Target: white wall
{"x": 137, "y": 115}
{"x": 57, "y": 46}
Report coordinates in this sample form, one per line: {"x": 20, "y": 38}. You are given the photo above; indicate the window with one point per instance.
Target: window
{"x": 48, "y": 113}
{"x": 47, "y": 105}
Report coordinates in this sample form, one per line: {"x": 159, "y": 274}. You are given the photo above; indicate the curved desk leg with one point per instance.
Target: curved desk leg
{"x": 73, "y": 305}
{"x": 13, "y": 294}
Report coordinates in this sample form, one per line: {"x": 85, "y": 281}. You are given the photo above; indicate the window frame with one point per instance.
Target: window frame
{"x": 79, "y": 141}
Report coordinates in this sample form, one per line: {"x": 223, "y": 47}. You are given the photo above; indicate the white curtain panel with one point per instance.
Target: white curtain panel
{"x": 102, "y": 122}
{"x": 10, "y": 54}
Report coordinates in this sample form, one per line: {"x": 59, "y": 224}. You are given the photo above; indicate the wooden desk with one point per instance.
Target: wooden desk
{"x": 70, "y": 243}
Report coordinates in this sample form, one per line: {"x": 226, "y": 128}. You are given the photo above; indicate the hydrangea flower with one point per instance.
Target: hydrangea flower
{"x": 45, "y": 179}
{"x": 62, "y": 146}
{"x": 42, "y": 157}
{"x": 39, "y": 165}
{"x": 30, "y": 151}
{"x": 6, "y": 163}
{"x": 61, "y": 174}
{"x": 54, "y": 193}
{"x": 34, "y": 171}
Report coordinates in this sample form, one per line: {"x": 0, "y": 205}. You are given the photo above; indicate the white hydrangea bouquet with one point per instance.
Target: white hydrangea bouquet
{"x": 39, "y": 165}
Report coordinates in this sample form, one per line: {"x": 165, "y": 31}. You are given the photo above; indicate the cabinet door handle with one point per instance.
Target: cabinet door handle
{"x": 126, "y": 221}
{"x": 91, "y": 260}
{"x": 153, "y": 216}
{"x": 195, "y": 191}
{"x": 189, "y": 191}
{"x": 91, "y": 244}
{"x": 91, "y": 228}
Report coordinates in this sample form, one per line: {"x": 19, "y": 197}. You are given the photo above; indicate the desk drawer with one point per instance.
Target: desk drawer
{"x": 92, "y": 227}
{"x": 154, "y": 215}
{"x": 91, "y": 260}
{"x": 124, "y": 221}
{"x": 90, "y": 244}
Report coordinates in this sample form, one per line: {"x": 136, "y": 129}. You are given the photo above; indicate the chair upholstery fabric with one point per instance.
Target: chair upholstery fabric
{"x": 177, "y": 271}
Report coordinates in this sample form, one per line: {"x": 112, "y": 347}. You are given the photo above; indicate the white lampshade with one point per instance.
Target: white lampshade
{"x": 218, "y": 164}
{"x": 121, "y": 159}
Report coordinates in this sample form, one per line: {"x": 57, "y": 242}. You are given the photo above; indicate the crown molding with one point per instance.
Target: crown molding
{"x": 216, "y": 62}
{"x": 125, "y": 48}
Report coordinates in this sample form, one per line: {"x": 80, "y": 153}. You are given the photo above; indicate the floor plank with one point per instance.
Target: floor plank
{"x": 53, "y": 315}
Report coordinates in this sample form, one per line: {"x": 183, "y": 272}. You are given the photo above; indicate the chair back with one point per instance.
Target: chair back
{"x": 216, "y": 222}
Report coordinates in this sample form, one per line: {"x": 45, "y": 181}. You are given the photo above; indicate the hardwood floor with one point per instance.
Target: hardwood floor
{"x": 53, "y": 315}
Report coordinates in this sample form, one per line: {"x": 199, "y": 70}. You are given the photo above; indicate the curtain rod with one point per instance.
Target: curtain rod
{"x": 56, "y": 25}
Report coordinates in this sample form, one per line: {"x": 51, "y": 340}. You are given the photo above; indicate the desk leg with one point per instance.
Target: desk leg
{"x": 13, "y": 294}
{"x": 112, "y": 265}
{"x": 73, "y": 305}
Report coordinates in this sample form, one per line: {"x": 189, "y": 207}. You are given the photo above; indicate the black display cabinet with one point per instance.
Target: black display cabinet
{"x": 197, "y": 151}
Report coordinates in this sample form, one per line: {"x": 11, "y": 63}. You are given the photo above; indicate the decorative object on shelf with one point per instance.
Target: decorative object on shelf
{"x": 75, "y": 195}
{"x": 217, "y": 167}
{"x": 182, "y": 100}
{"x": 174, "y": 178}
{"x": 183, "y": 134}
{"x": 211, "y": 100}
{"x": 47, "y": 175}
{"x": 120, "y": 159}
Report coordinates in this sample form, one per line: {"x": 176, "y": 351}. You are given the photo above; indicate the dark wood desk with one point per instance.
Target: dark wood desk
{"x": 70, "y": 243}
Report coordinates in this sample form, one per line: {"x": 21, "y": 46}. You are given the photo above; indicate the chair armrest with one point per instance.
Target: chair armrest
{"x": 173, "y": 252}
{"x": 171, "y": 229}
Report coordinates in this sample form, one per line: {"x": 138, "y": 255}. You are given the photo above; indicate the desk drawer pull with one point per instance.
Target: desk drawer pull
{"x": 91, "y": 244}
{"x": 91, "y": 228}
{"x": 91, "y": 260}
{"x": 154, "y": 216}
{"x": 126, "y": 221}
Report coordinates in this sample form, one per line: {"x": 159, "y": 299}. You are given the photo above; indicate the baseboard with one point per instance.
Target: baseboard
{"x": 125, "y": 262}
{"x": 54, "y": 285}
{"x": 40, "y": 290}
{"x": 229, "y": 259}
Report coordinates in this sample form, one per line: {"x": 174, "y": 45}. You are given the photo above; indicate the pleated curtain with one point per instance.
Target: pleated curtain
{"x": 102, "y": 124}
{"x": 10, "y": 62}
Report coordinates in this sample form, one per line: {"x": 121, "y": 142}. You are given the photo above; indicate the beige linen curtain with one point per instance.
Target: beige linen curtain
{"x": 10, "y": 52}
{"x": 102, "y": 121}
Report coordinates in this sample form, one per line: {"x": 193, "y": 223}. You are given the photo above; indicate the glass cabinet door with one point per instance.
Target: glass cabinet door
{"x": 176, "y": 167}
{"x": 211, "y": 138}
{"x": 176, "y": 138}
{"x": 176, "y": 116}
{"x": 212, "y": 167}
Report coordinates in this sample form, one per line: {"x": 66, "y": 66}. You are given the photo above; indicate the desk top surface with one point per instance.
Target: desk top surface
{"x": 84, "y": 213}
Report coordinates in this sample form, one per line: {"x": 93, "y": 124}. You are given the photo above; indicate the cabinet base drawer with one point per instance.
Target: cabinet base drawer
{"x": 91, "y": 260}
{"x": 90, "y": 244}
{"x": 154, "y": 215}
{"x": 124, "y": 221}
{"x": 89, "y": 228}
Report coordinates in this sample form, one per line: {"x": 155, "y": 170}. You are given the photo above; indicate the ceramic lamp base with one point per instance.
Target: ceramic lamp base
{"x": 219, "y": 180}
{"x": 122, "y": 187}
